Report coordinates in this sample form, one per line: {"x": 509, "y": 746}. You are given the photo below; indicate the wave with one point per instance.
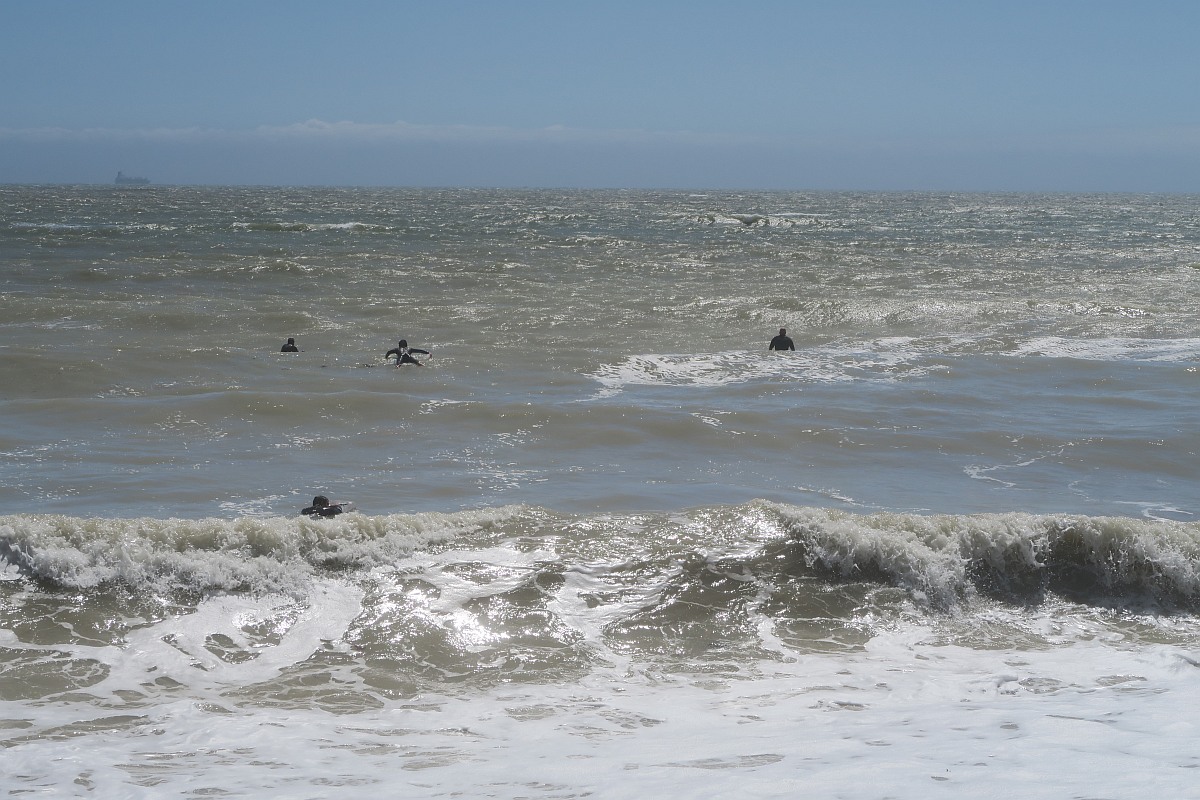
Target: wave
{"x": 883, "y": 360}
{"x": 947, "y": 560}
{"x": 941, "y": 562}
{"x": 754, "y": 220}
{"x": 308, "y": 227}
{"x": 273, "y": 554}
{"x": 1111, "y": 349}
{"x": 63, "y": 231}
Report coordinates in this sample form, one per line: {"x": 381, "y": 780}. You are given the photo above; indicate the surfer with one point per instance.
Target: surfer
{"x": 403, "y": 354}
{"x": 321, "y": 508}
{"x": 782, "y": 341}
{"x": 290, "y": 347}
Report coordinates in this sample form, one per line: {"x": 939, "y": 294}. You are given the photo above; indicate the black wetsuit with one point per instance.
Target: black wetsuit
{"x": 403, "y": 356}
{"x": 781, "y": 342}
{"x": 323, "y": 511}
{"x": 289, "y": 348}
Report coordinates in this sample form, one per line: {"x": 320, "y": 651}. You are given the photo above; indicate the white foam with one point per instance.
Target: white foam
{"x": 883, "y": 359}
{"x": 177, "y": 647}
{"x": 272, "y": 554}
{"x": 908, "y": 717}
{"x": 1111, "y": 349}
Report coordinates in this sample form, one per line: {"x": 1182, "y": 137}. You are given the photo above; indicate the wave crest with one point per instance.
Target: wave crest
{"x": 942, "y": 562}
{"x": 1016, "y": 557}
{"x": 260, "y": 555}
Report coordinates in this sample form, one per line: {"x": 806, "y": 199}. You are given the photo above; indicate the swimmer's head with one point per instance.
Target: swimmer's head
{"x": 320, "y": 501}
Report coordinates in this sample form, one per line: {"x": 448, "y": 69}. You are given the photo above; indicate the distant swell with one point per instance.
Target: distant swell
{"x": 306, "y": 227}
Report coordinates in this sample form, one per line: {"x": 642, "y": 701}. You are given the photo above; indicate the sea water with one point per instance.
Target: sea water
{"x": 605, "y": 544}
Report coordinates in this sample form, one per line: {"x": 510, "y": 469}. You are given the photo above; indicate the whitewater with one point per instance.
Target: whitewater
{"x": 604, "y": 543}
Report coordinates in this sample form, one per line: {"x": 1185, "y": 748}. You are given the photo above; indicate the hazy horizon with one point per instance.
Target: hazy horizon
{"x": 1072, "y": 96}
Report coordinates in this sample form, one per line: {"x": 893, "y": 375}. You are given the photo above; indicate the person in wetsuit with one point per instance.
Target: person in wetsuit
{"x": 290, "y": 347}
{"x": 403, "y": 354}
{"x": 321, "y": 508}
{"x": 782, "y": 341}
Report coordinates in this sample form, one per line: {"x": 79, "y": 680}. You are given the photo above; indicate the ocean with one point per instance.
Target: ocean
{"x": 603, "y": 542}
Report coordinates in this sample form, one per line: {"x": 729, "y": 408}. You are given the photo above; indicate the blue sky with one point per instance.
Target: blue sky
{"x": 1071, "y": 95}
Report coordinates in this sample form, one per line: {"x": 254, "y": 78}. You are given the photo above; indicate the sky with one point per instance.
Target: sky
{"x": 953, "y": 95}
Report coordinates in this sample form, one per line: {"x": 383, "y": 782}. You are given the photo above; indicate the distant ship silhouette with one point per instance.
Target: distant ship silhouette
{"x": 127, "y": 180}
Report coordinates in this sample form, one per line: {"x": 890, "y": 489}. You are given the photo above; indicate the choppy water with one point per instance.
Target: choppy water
{"x": 606, "y": 545}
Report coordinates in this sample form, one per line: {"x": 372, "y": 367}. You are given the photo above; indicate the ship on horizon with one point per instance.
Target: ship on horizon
{"x": 130, "y": 180}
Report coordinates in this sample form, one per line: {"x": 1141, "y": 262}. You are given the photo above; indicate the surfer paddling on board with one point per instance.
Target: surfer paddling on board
{"x": 290, "y": 346}
{"x": 403, "y": 354}
{"x": 782, "y": 341}
{"x": 321, "y": 507}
